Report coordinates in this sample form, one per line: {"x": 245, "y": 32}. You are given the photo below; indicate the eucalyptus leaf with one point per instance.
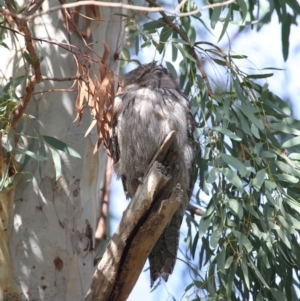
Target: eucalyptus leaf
{"x": 257, "y": 76}
{"x": 57, "y": 163}
{"x": 258, "y": 274}
{"x": 294, "y": 156}
{"x": 284, "y": 128}
{"x": 31, "y": 154}
{"x": 278, "y": 295}
{"x": 157, "y": 23}
{"x": 258, "y": 181}
{"x": 10, "y": 143}
{"x": 215, "y": 17}
{"x": 253, "y": 119}
{"x": 225, "y": 24}
{"x": 235, "y": 163}
{"x": 244, "y": 10}
{"x": 171, "y": 69}
{"x": 245, "y": 272}
{"x": 212, "y": 175}
{"x": 28, "y": 58}
{"x": 59, "y": 145}
{"x": 230, "y": 278}
{"x": 233, "y": 178}
{"x": 221, "y": 260}
{"x": 291, "y": 142}
{"x": 242, "y": 239}
{"x": 283, "y": 237}
{"x": 215, "y": 237}
{"x": 287, "y": 168}
{"x": 235, "y": 207}
{"x": 227, "y": 133}
{"x": 228, "y": 262}
{"x": 203, "y": 226}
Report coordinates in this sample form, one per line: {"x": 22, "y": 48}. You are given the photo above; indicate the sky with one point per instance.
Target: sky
{"x": 263, "y": 48}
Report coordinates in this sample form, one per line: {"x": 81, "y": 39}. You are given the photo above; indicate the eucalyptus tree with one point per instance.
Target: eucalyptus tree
{"x": 61, "y": 64}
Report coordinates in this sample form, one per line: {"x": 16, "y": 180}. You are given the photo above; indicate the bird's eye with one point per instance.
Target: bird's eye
{"x": 160, "y": 70}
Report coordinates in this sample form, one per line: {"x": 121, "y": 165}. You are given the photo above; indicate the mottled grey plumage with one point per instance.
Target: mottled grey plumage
{"x": 149, "y": 106}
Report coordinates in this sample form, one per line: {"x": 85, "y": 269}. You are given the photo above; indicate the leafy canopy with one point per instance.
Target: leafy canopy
{"x": 247, "y": 242}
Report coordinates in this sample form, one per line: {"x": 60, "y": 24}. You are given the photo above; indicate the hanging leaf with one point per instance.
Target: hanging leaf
{"x": 59, "y": 145}
{"x": 233, "y": 178}
{"x": 235, "y": 163}
{"x": 56, "y": 162}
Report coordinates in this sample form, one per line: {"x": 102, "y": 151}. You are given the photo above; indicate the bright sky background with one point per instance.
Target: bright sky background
{"x": 263, "y": 48}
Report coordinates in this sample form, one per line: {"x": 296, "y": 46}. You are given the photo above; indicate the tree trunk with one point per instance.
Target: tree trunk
{"x": 48, "y": 224}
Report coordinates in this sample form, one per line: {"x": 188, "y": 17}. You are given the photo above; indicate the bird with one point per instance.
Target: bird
{"x": 148, "y": 106}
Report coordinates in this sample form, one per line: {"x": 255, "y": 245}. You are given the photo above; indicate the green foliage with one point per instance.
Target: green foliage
{"x": 283, "y": 10}
{"x": 252, "y": 229}
{"x": 247, "y": 242}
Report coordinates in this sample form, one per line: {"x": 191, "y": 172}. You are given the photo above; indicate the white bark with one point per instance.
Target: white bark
{"x": 48, "y": 244}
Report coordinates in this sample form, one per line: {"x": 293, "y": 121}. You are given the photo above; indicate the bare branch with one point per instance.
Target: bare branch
{"x": 55, "y": 90}
{"x": 179, "y": 6}
{"x": 107, "y": 271}
{"x": 116, "y": 5}
{"x": 66, "y": 46}
{"x": 23, "y": 27}
{"x": 31, "y": 8}
{"x": 194, "y": 12}
{"x": 142, "y": 244}
{"x": 63, "y": 79}
{"x": 20, "y": 108}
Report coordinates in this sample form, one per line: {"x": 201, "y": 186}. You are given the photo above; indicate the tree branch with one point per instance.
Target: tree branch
{"x": 142, "y": 244}
{"x": 194, "y": 210}
{"x": 37, "y": 78}
{"x": 119, "y": 5}
{"x": 138, "y": 231}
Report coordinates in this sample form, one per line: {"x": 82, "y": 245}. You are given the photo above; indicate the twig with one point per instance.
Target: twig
{"x": 210, "y": 6}
{"x": 31, "y": 9}
{"x": 56, "y": 90}
{"x": 20, "y": 108}
{"x": 217, "y": 47}
{"x": 194, "y": 210}
{"x": 179, "y": 6}
{"x": 23, "y": 27}
{"x": 53, "y": 42}
{"x": 56, "y": 79}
